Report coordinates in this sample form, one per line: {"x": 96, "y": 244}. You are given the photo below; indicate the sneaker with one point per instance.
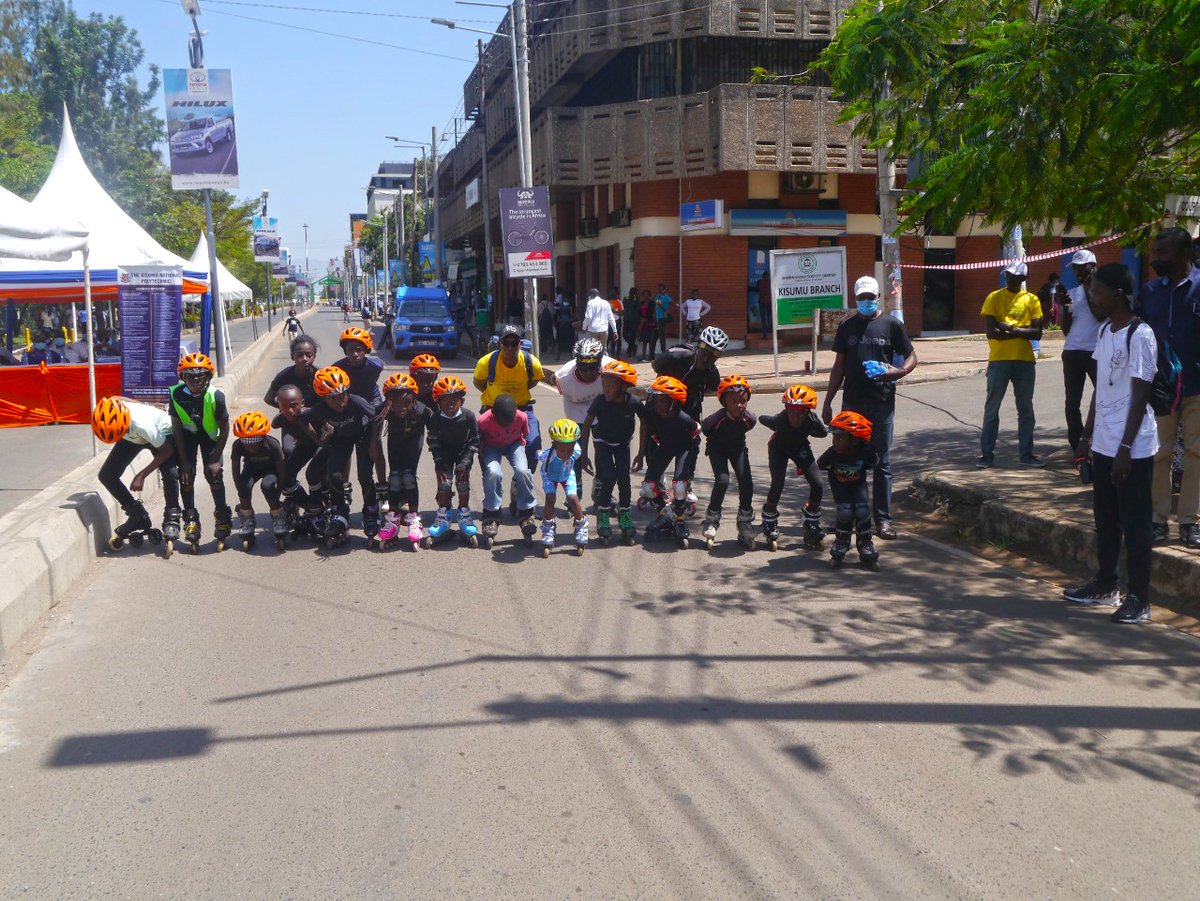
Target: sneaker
{"x": 1094, "y": 594}
{"x": 885, "y": 530}
{"x": 984, "y": 462}
{"x": 1189, "y": 534}
{"x": 1034, "y": 462}
{"x": 1159, "y": 533}
{"x": 1133, "y": 611}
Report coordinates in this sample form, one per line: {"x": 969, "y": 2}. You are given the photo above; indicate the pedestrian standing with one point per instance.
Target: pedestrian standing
{"x": 693, "y": 310}
{"x": 864, "y": 347}
{"x": 598, "y": 319}
{"x": 631, "y": 320}
{"x": 545, "y": 319}
{"x": 618, "y": 309}
{"x": 662, "y": 316}
{"x": 764, "y": 302}
{"x": 515, "y": 311}
{"x": 1122, "y": 437}
{"x": 1170, "y": 304}
{"x": 1081, "y": 327}
{"x": 1014, "y": 319}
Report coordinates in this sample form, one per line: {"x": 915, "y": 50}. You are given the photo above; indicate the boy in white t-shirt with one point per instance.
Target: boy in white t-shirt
{"x": 1122, "y": 437}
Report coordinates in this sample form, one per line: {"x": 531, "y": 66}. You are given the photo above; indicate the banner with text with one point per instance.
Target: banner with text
{"x": 528, "y": 236}
{"x": 150, "y": 304}
{"x": 200, "y": 133}
{"x": 805, "y": 280}
{"x": 266, "y": 240}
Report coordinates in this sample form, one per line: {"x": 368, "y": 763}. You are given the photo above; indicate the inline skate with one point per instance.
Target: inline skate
{"x": 136, "y": 528}
{"x": 439, "y": 529}
{"x": 549, "y": 528}
{"x": 604, "y": 524}
{"x": 581, "y": 535}
{"x": 281, "y": 527}
{"x": 246, "y": 527}
{"x": 745, "y": 529}
{"x": 491, "y": 525}
{"x": 628, "y": 530}
{"x": 708, "y": 528}
{"x": 222, "y": 525}
{"x": 770, "y": 529}
{"x": 839, "y": 548}
{"x": 191, "y": 528}
{"x": 814, "y": 535}
{"x": 170, "y": 530}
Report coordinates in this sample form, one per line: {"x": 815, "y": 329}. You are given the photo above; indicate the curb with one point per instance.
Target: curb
{"x": 1047, "y": 534}
{"x": 49, "y": 540}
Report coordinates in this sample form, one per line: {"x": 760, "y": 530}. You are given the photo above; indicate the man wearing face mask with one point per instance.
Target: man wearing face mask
{"x": 1014, "y": 319}
{"x": 1081, "y": 328}
{"x": 865, "y": 346}
{"x": 1170, "y": 304}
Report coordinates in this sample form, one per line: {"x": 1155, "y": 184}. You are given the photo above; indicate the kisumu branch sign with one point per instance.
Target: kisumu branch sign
{"x": 805, "y": 280}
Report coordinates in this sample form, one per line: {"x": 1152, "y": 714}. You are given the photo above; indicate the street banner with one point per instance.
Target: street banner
{"x": 201, "y": 137}
{"x": 280, "y": 266}
{"x": 150, "y": 304}
{"x": 702, "y": 216}
{"x": 528, "y": 235}
{"x": 770, "y": 223}
{"x": 396, "y": 272}
{"x": 266, "y": 240}
{"x": 803, "y": 280}
{"x": 426, "y": 260}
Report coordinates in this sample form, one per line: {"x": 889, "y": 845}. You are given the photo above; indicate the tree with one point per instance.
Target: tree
{"x": 1081, "y": 110}
{"x": 25, "y": 159}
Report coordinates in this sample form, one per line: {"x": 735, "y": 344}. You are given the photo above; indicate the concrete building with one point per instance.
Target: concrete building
{"x": 638, "y": 109}
{"x": 390, "y": 177}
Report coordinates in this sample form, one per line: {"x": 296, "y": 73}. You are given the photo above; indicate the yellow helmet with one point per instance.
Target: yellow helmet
{"x": 564, "y": 431}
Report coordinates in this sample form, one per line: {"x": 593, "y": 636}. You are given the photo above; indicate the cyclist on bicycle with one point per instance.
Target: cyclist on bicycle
{"x": 694, "y": 310}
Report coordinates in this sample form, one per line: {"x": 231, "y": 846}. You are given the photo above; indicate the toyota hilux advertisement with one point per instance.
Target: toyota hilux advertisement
{"x": 202, "y": 138}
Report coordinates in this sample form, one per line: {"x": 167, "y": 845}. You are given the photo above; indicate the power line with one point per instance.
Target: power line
{"x": 319, "y": 9}
{"x": 596, "y": 12}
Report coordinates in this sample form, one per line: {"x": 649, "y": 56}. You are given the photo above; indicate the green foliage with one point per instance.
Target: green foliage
{"x": 1082, "y": 111}
{"x": 25, "y": 159}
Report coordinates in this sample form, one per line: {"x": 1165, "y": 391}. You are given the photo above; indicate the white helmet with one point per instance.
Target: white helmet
{"x": 588, "y": 349}
{"x": 715, "y": 339}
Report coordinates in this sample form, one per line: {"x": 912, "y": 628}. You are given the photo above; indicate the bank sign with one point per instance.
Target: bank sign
{"x": 806, "y": 280}
{"x": 527, "y": 234}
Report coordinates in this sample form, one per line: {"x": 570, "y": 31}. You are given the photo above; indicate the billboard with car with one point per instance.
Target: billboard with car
{"x": 201, "y": 137}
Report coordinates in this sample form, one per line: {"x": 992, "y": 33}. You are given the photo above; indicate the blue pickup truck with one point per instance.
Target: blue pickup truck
{"x": 424, "y": 323}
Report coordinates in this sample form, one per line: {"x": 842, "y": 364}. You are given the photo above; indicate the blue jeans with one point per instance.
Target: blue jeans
{"x": 1022, "y": 374}
{"x": 883, "y": 418}
{"x": 493, "y": 476}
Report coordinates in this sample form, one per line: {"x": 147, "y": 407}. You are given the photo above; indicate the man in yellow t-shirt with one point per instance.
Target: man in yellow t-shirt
{"x": 1014, "y": 319}
{"x": 511, "y": 370}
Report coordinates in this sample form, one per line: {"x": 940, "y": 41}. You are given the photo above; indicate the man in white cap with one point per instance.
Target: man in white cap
{"x": 865, "y": 346}
{"x": 1014, "y": 319}
{"x": 1081, "y": 328}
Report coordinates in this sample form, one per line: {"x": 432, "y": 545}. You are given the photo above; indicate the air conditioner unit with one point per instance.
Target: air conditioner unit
{"x": 619, "y": 218}
{"x": 804, "y": 183}
{"x": 589, "y": 228}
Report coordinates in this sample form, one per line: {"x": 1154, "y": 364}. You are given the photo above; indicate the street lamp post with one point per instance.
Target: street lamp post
{"x": 267, "y": 266}
{"x": 307, "y": 284}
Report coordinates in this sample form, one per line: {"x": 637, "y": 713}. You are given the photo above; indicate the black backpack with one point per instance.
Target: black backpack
{"x": 1166, "y": 391}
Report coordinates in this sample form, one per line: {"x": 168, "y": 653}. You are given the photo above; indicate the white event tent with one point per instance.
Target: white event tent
{"x": 230, "y": 286}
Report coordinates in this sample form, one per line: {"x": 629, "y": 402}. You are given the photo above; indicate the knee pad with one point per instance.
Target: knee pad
{"x": 648, "y": 490}
{"x": 445, "y": 481}
{"x": 722, "y": 479}
{"x": 845, "y": 513}
{"x": 408, "y": 480}
{"x": 862, "y": 513}
{"x": 214, "y": 479}
{"x": 395, "y": 482}
{"x": 680, "y": 488}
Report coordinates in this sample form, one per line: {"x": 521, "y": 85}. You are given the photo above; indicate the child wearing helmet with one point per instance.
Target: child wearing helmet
{"x": 300, "y": 373}
{"x": 792, "y": 429}
{"x": 578, "y": 381}
{"x": 610, "y": 423}
{"x": 453, "y": 440}
{"x": 200, "y": 422}
{"x": 558, "y": 468}
{"x": 668, "y": 435}
{"x": 726, "y": 448}
{"x": 503, "y": 433}
{"x": 365, "y": 371}
{"x": 301, "y": 445}
{"x": 850, "y": 461}
{"x": 426, "y": 369}
{"x": 695, "y": 367}
{"x": 407, "y": 418}
{"x": 344, "y": 421}
{"x": 132, "y": 427}
{"x": 257, "y": 457}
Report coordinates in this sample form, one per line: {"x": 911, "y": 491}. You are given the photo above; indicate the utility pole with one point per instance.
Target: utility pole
{"x": 437, "y": 208}
{"x": 267, "y": 265}
{"x": 387, "y": 269}
{"x": 307, "y": 284}
{"x": 483, "y": 188}
{"x": 889, "y": 220}
{"x": 400, "y": 236}
{"x": 524, "y": 136}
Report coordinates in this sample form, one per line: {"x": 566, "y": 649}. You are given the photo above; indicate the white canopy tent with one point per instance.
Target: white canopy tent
{"x": 228, "y": 284}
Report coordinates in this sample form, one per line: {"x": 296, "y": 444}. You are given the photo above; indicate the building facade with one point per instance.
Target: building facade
{"x": 639, "y": 109}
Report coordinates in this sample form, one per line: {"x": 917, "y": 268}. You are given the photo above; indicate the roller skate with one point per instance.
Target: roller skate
{"x": 528, "y": 526}
{"x": 191, "y": 528}
{"x": 370, "y": 518}
{"x": 650, "y": 495}
{"x": 337, "y": 528}
{"x": 604, "y": 524}
{"x": 770, "y": 529}
{"x": 311, "y": 523}
{"x": 867, "y": 555}
{"x": 439, "y": 529}
{"x": 625, "y": 521}
{"x": 416, "y": 531}
{"x": 691, "y": 503}
{"x": 170, "y": 530}
{"x": 281, "y": 527}
{"x": 814, "y": 535}
{"x": 491, "y": 525}
{"x": 679, "y": 527}
{"x": 581, "y": 535}
{"x": 389, "y": 529}
{"x": 745, "y": 529}
{"x": 708, "y": 528}
{"x": 663, "y": 525}
{"x": 839, "y": 548}
{"x": 549, "y": 527}
{"x": 467, "y": 530}
{"x": 222, "y": 525}
{"x": 246, "y": 527}
{"x": 137, "y": 527}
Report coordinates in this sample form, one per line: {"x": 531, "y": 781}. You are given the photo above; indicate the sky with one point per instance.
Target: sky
{"x": 312, "y": 109}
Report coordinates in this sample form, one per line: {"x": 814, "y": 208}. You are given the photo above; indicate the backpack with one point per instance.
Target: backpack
{"x": 1166, "y": 390}
{"x": 494, "y": 359}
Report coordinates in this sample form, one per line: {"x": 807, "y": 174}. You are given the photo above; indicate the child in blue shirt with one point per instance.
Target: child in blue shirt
{"x": 558, "y": 468}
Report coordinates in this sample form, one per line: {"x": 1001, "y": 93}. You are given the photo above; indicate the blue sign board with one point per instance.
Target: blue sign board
{"x": 150, "y": 303}
{"x": 702, "y": 215}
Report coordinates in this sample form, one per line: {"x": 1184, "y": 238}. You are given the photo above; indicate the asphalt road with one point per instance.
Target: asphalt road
{"x": 638, "y": 722}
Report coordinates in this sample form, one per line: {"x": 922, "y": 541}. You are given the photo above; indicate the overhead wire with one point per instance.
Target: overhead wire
{"x": 321, "y": 9}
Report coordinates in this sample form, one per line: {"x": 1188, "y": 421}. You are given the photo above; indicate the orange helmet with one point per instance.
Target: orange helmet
{"x": 800, "y": 396}
{"x": 854, "y": 423}
{"x": 110, "y": 419}
{"x": 731, "y": 382}
{"x": 424, "y": 361}
{"x": 449, "y": 384}
{"x": 399, "y": 381}
{"x": 354, "y": 333}
{"x": 671, "y": 387}
{"x": 620, "y": 370}
{"x": 195, "y": 361}
{"x": 252, "y": 424}
{"x": 331, "y": 380}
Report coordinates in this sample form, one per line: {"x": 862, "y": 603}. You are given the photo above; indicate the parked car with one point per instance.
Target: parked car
{"x": 424, "y": 323}
{"x": 201, "y": 134}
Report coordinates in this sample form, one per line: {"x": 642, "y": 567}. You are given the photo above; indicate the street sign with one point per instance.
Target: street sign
{"x": 1183, "y": 206}
{"x": 528, "y": 236}
{"x": 803, "y": 281}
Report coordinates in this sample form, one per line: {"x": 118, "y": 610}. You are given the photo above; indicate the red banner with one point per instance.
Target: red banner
{"x": 34, "y": 395}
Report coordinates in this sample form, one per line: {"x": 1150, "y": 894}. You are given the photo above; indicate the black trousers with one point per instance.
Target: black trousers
{"x": 1123, "y": 511}
{"x": 192, "y": 442}
{"x": 125, "y": 452}
{"x": 262, "y": 472}
{"x": 403, "y": 453}
{"x": 806, "y": 463}
{"x": 740, "y": 464}
{"x": 853, "y": 504}
{"x": 612, "y": 469}
{"x": 1078, "y": 366}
